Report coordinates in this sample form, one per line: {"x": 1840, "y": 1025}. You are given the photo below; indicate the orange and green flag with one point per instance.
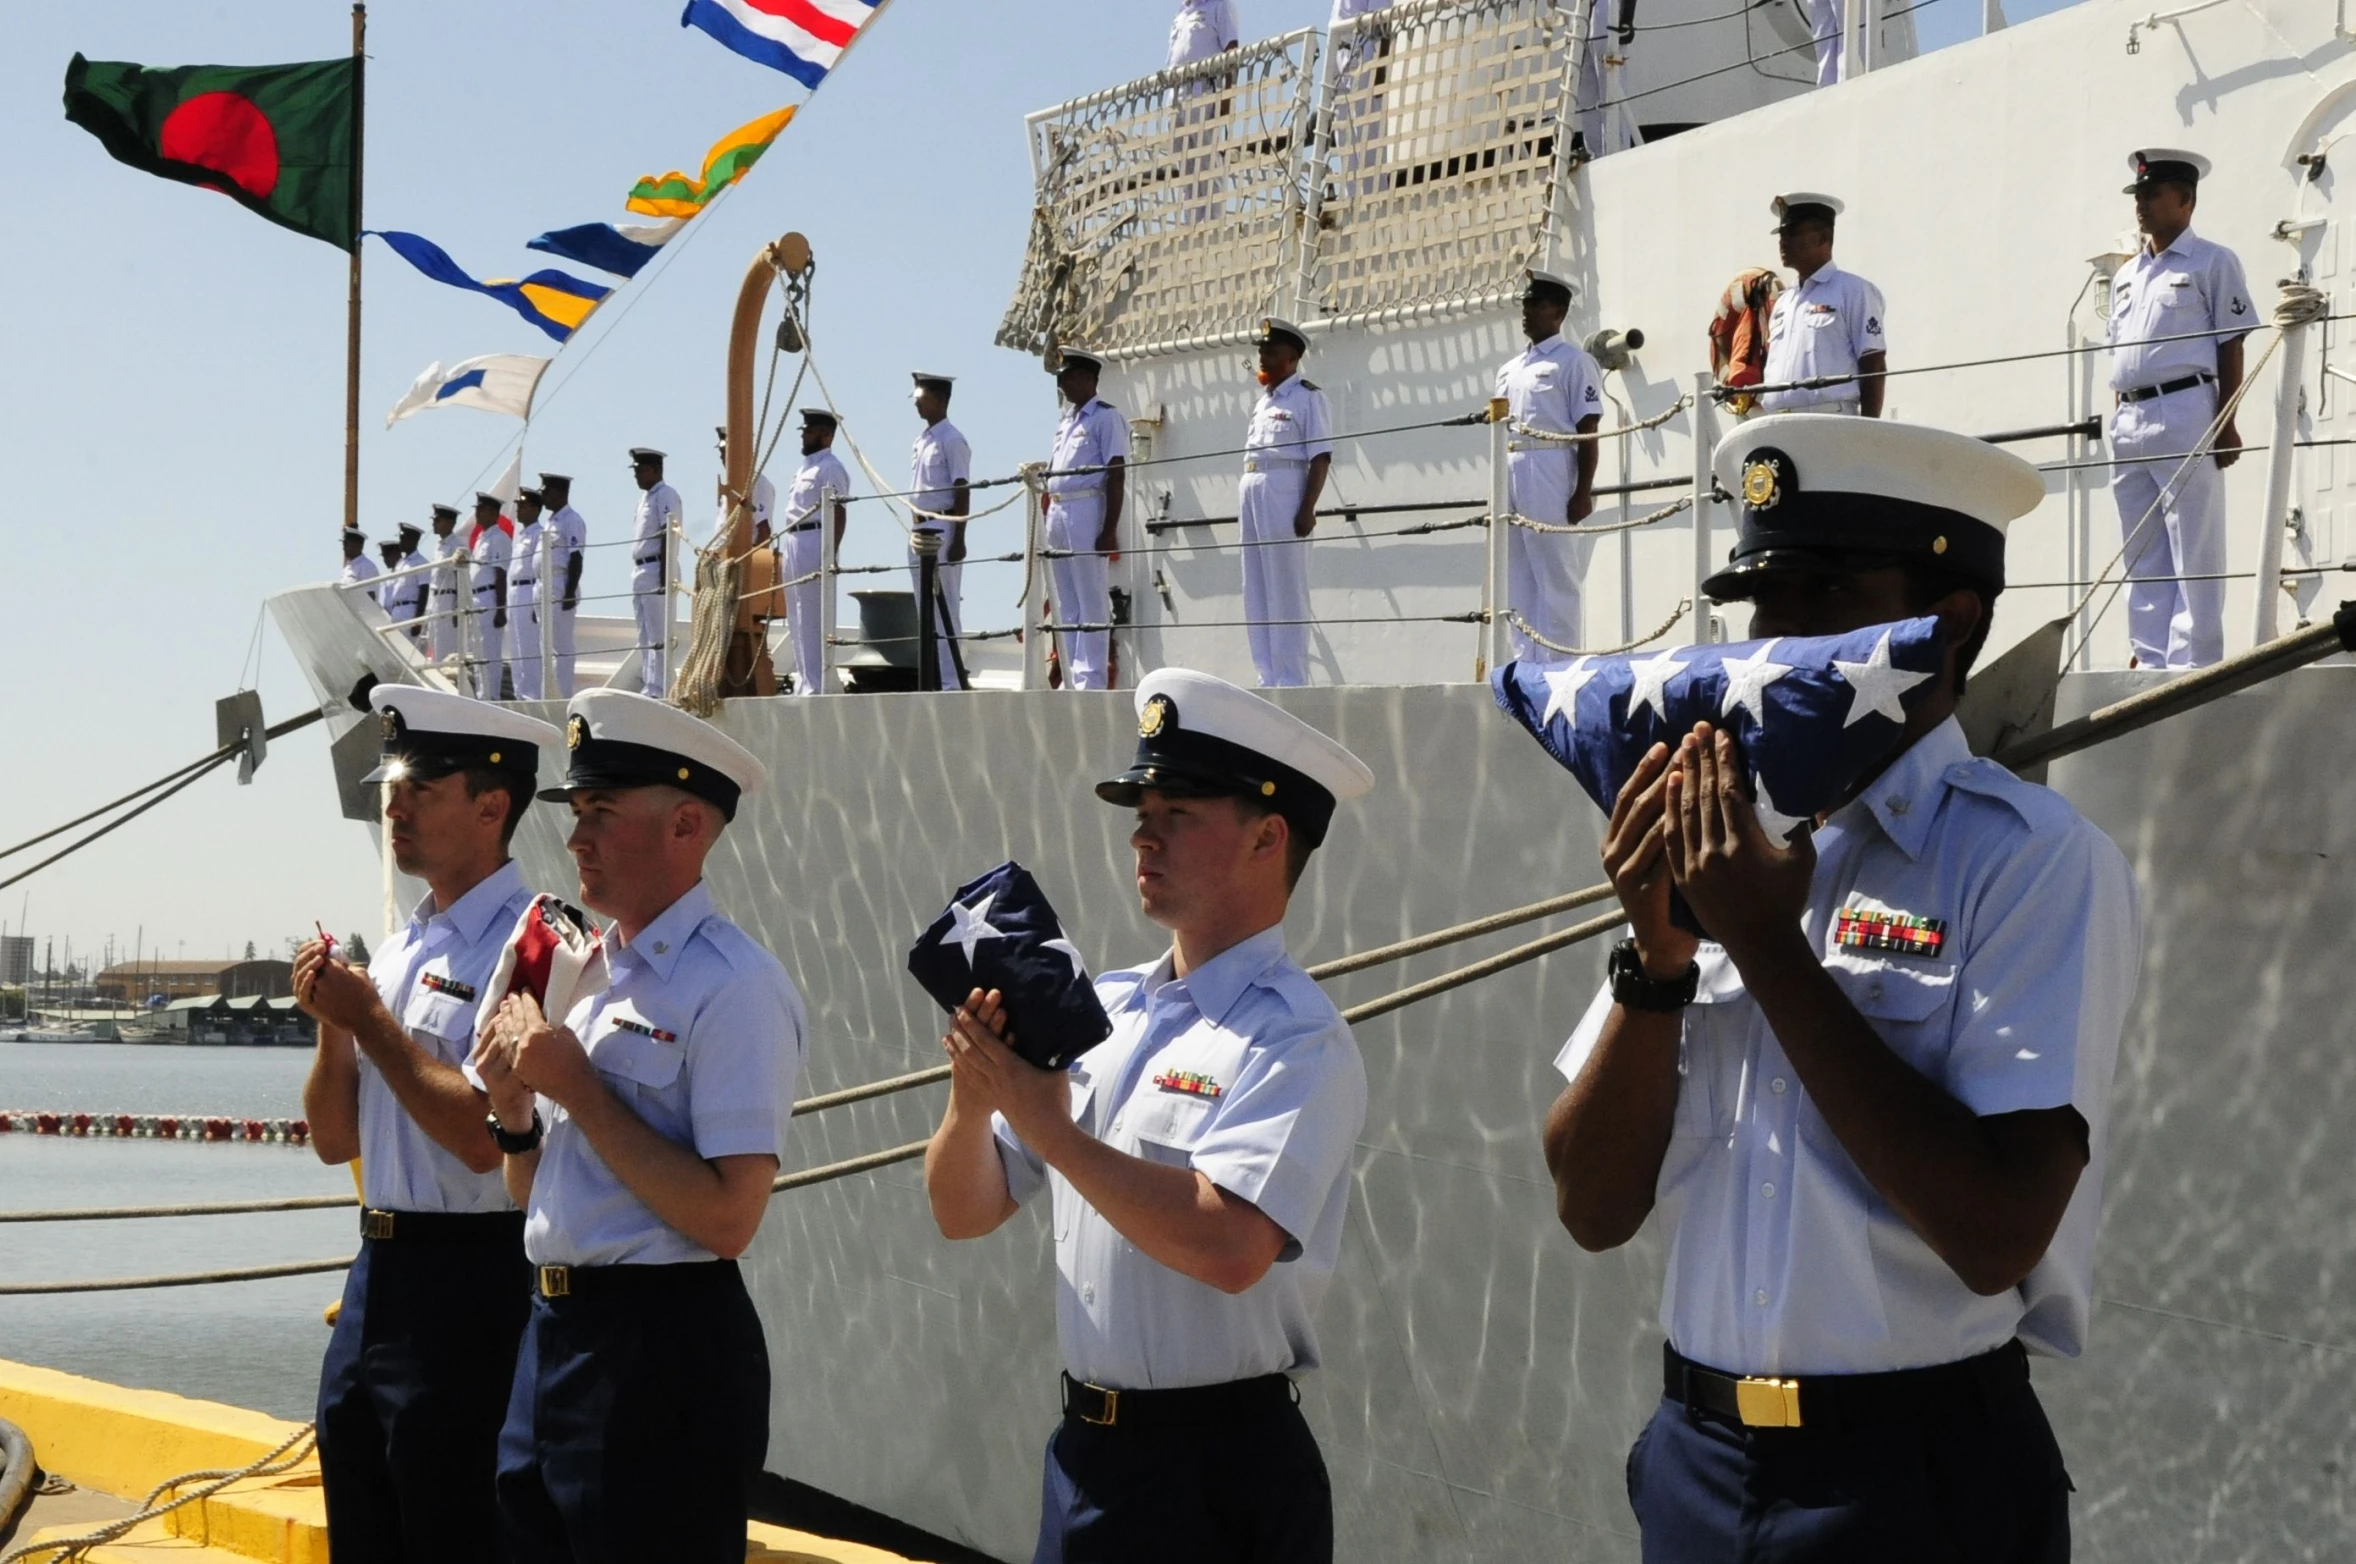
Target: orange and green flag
{"x": 279, "y": 140}
{"x": 682, "y": 195}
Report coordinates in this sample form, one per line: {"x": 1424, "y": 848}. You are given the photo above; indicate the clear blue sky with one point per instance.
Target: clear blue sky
{"x": 173, "y": 411}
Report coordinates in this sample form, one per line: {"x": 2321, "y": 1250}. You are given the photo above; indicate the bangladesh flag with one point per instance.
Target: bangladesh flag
{"x": 281, "y": 141}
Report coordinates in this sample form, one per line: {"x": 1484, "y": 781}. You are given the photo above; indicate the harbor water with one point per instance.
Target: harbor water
{"x": 251, "y": 1344}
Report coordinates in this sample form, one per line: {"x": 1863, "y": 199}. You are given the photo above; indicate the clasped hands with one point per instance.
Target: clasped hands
{"x": 521, "y": 1053}
{"x": 987, "y": 1076}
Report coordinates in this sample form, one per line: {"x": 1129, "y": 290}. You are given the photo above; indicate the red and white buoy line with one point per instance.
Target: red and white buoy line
{"x": 157, "y": 1126}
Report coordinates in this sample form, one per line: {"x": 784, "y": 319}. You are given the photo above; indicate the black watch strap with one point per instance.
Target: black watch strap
{"x": 1635, "y": 991}
{"x": 512, "y": 1144}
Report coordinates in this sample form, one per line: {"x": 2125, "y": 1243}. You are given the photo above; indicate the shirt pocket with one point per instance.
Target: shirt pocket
{"x": 1065, "y": 1200}
{"x": 632, "y": 1059}
{"x": 1168, "y": 1125}
{"x": 1907, "y": 1002}
{"x": 446, "y": 1019}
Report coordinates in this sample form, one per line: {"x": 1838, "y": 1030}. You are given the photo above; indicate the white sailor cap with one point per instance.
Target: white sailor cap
{"x": 925, "y": 377}
{"x": 619, "y": 739}
{"x": 1800, "y": 206}
{"x": 354, "y": 535}
{"x": 1812, "y": 489}
{"x": 644, "y": 453}
{"x": 432, "y": 733}
{"x": 494, "y": 501}
{"x": 1063, "y": 358}
{"x": 1201, "y": 737}
{"x": 2165, "y": 165}
{"x": 1545, "y": 284}
{"x": 1274, "y": 330}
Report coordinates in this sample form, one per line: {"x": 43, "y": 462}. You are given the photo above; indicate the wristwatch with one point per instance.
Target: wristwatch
{"x": 1635, "y": 991}
{"x": 512, "y": 1144}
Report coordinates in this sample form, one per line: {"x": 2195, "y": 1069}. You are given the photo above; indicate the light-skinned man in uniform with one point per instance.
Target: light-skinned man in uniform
{"x": 800, "y": 550}
{"x": 1555, "y": 387}
{"x": 1088, "y": 469}
{"x": 940, "y": 476}
{"x": 1288, "y": 448}
{"x": 1826, "y": 325}
{"x": 1198, "y": 1159}
{"x": 569, "y": 537}
{"x": 650, "y": 568}
{"x": 1871, "y": 1109}
{"x": 412, "y": 1393}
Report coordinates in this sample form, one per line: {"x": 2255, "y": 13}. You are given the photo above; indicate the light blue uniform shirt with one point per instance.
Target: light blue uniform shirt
{"x": 1290, "y": 1100}
{"x": 1782, "y": 1259}
{"x": 2192, "y": 285}
{"x": 1092, "y": 436}
{"x": 430, "y": 975}
{"x": 701, "y": 1034}
{"x": 1554, "y": 386}
{"x": 818, "y": 473}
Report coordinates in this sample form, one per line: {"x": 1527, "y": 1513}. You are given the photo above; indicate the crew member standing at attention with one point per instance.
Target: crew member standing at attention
{"x": 801, "y": 550}
{"x": 2166, "y": 395}
{"x": 415, "y": 1385}
{"x": 1198, "y": 1159}
{"x": 358, "y": 567}
{"x": 444, "y": 637}
{"x": 1084, "y": 516}
{"x": 391, "y": 597}
{"x": 411, "y": 590}
{"x": 1202, "y": 28}
{"x": 491, "y": 544}
{"x": 523, "y": 595}
{"x": 1553, "y": 386}
{"x": 1829, "y": 324}
{"x": 940, "y": 472}
{"x": 569, "y": 536}
{"x": 1872, "y": 1107}
{"x": 1287, "y": 449}
{"x": 650, "y": 556}
{"x": 642, "y": 1131}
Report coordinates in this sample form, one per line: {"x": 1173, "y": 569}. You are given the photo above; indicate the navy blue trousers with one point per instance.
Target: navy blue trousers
{"x": 639, "y": 1420}
{"x": 1980, "y": 1482}
{"x": 1243, "y": 1491}
{"x": 412, "y": 1394}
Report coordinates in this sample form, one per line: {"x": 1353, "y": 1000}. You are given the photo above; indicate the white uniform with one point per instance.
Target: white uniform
{"x": 1290, "y": 428}
{"x": 408, "y": 596}
{"x": 939, "y": 461}
{"x": 1782, "y": 1258}
{"x": 571, "y": 535}
{"x": 444, "y": 638}
{"x": 650, "y": 602}
{"x": 493, "y": 549}
{"x": 2173, "y": 513}
{"x": 801, "y": 547}
{"x": 523, "y": 610}
{"x": 1089, "y": 436}
{"x": 1245, "y": 1072}
{"x": 431, "y": 974}
{"x": 1552, "y": 385}
{"x": 1822, "y": 327}
{"x": 1202, "y": 28}
{"x": 357, "y": 569}
{"x": 702, "y": 1035}
{"x": 764, "y": 509}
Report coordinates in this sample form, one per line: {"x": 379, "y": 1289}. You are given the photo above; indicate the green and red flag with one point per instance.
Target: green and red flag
{"x": 279, "y": 140}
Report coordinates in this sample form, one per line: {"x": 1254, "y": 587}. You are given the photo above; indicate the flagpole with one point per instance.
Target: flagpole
{"x": 352, "y": 305}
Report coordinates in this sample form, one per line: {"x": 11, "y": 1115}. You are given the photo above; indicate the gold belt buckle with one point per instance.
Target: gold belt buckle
{"x": 1112, "y": 1407}
{"x": 556, "y": 1281}
{"x": 376, "y": 1224}
{"x": 1767, "y": 1403}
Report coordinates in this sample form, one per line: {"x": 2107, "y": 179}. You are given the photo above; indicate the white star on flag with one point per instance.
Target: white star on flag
{"x": 1747, "y": 679}
{"x": 971, "y": 925}
{"x": 1651, "y": 686}
{"x": 1562, "y": 689}
{"x": 1071, "y": 953}
{"x": 1877, "y": 684}
{"x": 1778, "y": 825}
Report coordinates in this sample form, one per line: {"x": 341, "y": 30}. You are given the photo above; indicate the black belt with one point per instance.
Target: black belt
{"x": 441, "y": 1227}
{"x": 610, "y": 1281}
{"x": 2165, "y": 387}
{"x": 1194, "y": 1406}
{"x": 803, "y": 526}
{"x": 1840, "y": 1400}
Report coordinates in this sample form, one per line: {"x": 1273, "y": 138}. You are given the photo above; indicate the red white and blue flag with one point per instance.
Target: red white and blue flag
{"x": 802, "y": 38}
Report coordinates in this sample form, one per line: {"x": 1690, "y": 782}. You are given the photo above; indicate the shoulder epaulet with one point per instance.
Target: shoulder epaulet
{"x": 2039, "y": 808}
{"x": 739, "y": 949}
{"x": 1311, "y": 385}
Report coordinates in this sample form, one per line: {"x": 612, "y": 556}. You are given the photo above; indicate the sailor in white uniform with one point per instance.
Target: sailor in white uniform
{"x": 800, "y": 549}
{"x": 392, "y": 595}
{"x": 410, "y": 592}
{"x": 642, "y": 1130}
{"x": 650, "y": 556}
{"x": 568, "y": 536}
{"x": 1871, "y": 1109}
{"x": 414, "y": 1387}
{"x": 1085, "y": 487}
{"x": 1551, "y": 385}
{"x": 446, "y": 590}
{"x": 1287, "y": 449}
{"x": 1198, "y": 1160}
{"x": 1824, "y": 26}
{"x": 1830, "y": 323}
{"x": 940, "y": 472}
{"x": 2165, "y": 396}
{"x": 523, "y": 595}
{"x": 490, "y": 543}
{"x": 358, "y": 567}
{"x": 1201, "y": 29}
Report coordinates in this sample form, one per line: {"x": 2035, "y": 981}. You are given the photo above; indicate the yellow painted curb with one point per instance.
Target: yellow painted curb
{"x": 148, "y": 1541}
{"x": 122, "y": 1441}
{"x": 765, "y": 1544}
{"x": 280, "y": 1519}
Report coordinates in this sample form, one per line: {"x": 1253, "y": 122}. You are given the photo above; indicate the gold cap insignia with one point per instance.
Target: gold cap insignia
{"x": 1939, "y": 545}
{"x": 1760, "y": 490}
{"x": 388, "y": 723}
{"x": 576, "y": 732}
{"x": 1267, "y": 790}
{"x": 1159, "y": 713}
{"x": 683, "y": 773}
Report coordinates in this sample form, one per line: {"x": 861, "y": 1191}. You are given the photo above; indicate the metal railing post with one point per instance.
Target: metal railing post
{"x": 824, "y": 677}
{"x": 1992, "y": 17}
{"x": 1853, "y": 30}
{"x": 670, "y": 608}
{"x": 470, "y": 628}
{"x": 545, "y": 607}
{"x": 928, "y": 593}
{"x": 1705, "y": 444}
{"x": 1034, "y": 593}
{"x": 1497, "y": 645}
{"x": 2272, "y": 520}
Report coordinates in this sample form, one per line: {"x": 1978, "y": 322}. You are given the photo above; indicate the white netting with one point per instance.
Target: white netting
{"x": 1441, "y": 151}
{"x": 1166, "y": 208}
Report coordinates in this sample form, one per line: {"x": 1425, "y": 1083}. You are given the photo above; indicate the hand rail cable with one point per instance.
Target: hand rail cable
{"x": 1602, "y": 528}
{"x": 1574, "y": 437}
{"x": 1748, "y": 62}
{"x": 1514, "y": 617}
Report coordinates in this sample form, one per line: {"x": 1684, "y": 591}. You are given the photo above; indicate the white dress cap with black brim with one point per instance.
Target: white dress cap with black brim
{"x": 617, "y": 739}
{"x": 433, "y": 733}
{"x": 1548, "y": 287}
{"x": 1274, "y": 330}
{"x": 1801, "y": 206}
{"x": 2164, "y": 166}
{"x": 925, "y": 377}
{"x": 354, "y": 535}
{"x": 645, "y": 453}
{"x": 556, "y": 480}
{"x": 450, "y": 511}
{"x": 1815, "y": 494}
{"x": 1201, "y": 737}
{"x": 1073, "y": 356}
{"x": 820, "y": 417}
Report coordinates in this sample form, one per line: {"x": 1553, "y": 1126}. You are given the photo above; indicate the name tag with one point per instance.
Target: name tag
{"x": 629, "y": 1024}
{"x": 1904, "y": 932}
{"x": 1188, "y": 1083}
{"x": 462, "y": 992}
